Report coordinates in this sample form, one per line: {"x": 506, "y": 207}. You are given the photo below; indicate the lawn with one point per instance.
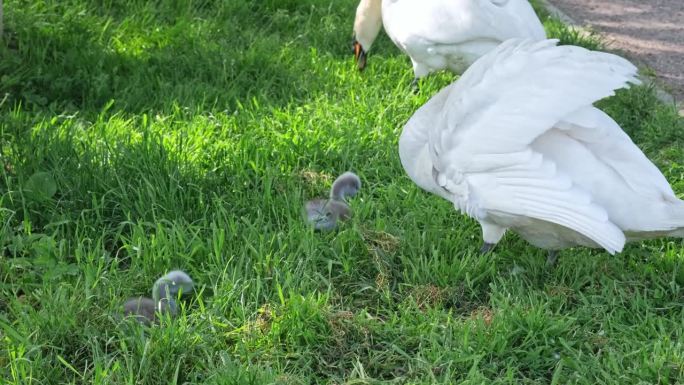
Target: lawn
{"x": 142, "y": 136}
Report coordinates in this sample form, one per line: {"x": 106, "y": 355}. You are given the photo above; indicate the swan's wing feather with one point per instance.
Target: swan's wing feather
{"x": 539, "y": 193}
{"x": 604, "y": 137}
{"x": 447, "y": 22}
{"x": 480, "y": 147}
{"x": 414, "y": 138}
{"x": 524, "y": 19}
{"x": 522, "y": 88}
{"x": 534, "y": 188}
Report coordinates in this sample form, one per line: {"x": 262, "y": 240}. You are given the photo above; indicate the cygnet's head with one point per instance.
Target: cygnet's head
{"x": 174, "y": 282}
{"x": 367, "y": 26}
{"x": 324, "y": 214}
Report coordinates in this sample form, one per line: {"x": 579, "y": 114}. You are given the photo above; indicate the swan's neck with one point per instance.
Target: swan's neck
{"x": 368, "y": 22}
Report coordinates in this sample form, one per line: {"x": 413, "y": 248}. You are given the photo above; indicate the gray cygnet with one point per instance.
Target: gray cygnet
{"x": 324, "y": 214}
{"x": 164, "y": 294}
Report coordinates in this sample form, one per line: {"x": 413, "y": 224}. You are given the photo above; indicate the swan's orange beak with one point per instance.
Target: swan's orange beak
{"x": 359, "y": 55}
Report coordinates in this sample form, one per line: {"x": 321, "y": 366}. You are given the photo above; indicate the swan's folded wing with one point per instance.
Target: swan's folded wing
{"x": 600, "y": 133}
{"x": 481, "y": 149}
{"x": 523, "y": 21}
{"x": 521, "y": 89}
{"x": 535, "y": 190}
{"x": 449, "y": 22}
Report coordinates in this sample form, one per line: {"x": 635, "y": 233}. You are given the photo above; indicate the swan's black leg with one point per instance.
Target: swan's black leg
{"x": 486, "y": 248}
{"x": 414, "y": 86}
{"x": 552, "y": 258}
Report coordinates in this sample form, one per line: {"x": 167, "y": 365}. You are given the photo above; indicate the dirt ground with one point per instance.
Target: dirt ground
{"x": 649, "y": 32}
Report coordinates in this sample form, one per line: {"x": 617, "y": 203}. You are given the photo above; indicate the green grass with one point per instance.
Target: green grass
{"x": 141, "y": 136}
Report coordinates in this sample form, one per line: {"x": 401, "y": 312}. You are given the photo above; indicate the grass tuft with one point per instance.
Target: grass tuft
{"x": 138, "y": 137}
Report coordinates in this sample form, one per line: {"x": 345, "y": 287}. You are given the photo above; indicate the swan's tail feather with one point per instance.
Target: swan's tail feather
{"x": 671, "y": 224}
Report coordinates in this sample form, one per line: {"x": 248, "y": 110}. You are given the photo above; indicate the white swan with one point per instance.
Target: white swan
{"x": 516, "y": 144}
{"x": 443, "y": 34}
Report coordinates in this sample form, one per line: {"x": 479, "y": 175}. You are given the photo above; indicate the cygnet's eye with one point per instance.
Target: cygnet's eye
{"x": 328, "y": 214}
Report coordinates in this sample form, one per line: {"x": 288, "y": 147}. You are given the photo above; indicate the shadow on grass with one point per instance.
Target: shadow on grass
{"x": 149, "y": 57}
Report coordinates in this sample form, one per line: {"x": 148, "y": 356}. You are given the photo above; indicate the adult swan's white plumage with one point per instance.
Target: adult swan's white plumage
{"x": 443, "y": 34}
{"x": 516, "y": 144}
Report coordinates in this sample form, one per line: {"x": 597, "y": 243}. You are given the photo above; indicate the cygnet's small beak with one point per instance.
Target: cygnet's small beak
{"x": 359, "y": 55}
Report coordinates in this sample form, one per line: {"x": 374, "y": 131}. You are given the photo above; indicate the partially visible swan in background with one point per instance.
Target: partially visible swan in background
{"x": 443, "y": 34}
{"x": 324, "y": 214}
{"x": 516, "y": 144}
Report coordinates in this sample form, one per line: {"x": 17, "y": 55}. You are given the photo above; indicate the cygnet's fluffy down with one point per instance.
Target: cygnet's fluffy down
{"x": 443, "y": 34}
{"x": 171, "y": 284}
{"x": 516, "y": 143}
{"x": 142, "y": 309}
{"x": 165, "y": 291}
{"x": 345, "y": 186}
{"x": 325, "y": 214}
